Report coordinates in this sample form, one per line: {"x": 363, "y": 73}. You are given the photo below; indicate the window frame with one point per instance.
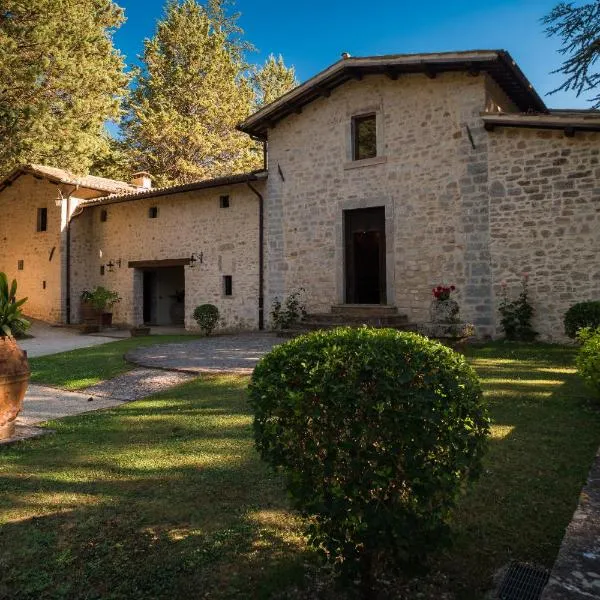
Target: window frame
{"x": 356, "y": 120}
{"x": 224, "y": 201}
{"x": 227, "y": 286}
{"x": 42, "y": 220}
{"x": 153, "y": 212}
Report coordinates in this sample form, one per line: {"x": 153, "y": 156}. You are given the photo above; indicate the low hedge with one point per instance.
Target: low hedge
{"x": 376, "y": 432}
{"x": 588, "y": 358}
{"x": 583, "y": 314}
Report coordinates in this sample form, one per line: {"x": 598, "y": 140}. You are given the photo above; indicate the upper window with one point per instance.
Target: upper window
{"x": 224, "y": 201}
{"x": 364, "y": 137}
{"x": 42, "y": 219}
{"x": 153, "y": 212}
{"x": 103, "y": 216}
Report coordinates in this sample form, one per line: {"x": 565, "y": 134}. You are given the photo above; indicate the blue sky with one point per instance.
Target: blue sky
{"x": 312, "y": 34}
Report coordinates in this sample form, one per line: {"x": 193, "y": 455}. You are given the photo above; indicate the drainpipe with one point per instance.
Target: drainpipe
{"x": 261, "y": 258}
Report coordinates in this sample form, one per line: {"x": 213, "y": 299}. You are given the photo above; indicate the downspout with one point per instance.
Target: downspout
{"x": 261, "y": 257}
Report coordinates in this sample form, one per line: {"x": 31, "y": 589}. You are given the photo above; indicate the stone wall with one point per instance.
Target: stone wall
{"x": 187, "y": 223}
{"x": 40, "y": 252}
{"x": 545, "y": 220}
{"x": 429, "y": 176}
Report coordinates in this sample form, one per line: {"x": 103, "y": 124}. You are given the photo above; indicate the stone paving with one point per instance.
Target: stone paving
{"x": 215, "y": 354}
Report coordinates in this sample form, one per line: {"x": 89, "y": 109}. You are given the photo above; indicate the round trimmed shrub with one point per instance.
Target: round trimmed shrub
{"x": 588, "y": 358}
{"x": 376, "y": 432}
{"x": 583, "y": 314}
{"x": 207, "y": 317}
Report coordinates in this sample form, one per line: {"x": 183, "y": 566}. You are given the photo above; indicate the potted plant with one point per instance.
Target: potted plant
{"x": 14, "y": 367}
{"x": 96, "y": 306}
{"x": 443, "y": 308}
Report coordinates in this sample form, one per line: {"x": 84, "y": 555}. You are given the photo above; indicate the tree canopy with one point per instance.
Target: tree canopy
{"x": 578, "y": 27}
{"x": 61, "y": 80}
{"x": 190, "y": 95}
{"x": 273, "y": 80}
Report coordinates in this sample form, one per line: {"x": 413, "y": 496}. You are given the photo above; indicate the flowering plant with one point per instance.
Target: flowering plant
{"x": 442, "y": 292}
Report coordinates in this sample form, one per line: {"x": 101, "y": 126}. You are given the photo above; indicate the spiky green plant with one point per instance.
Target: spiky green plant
{"x": 12, "y": 322}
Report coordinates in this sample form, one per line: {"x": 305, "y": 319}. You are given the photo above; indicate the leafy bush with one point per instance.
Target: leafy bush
{"x": 292, "y": 311}
{"x": 583, "y": 314}
{"x": 588, "y": 358}
{"x": 100, "y": 298}
{"x": 12, "y": 322}
{"x": 207, "y": 317}
{"x": 376, "y": 432}
{"x": 516, "y": 315}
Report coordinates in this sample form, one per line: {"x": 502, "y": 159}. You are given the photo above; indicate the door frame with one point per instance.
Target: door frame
{"x": 340, "y": 248}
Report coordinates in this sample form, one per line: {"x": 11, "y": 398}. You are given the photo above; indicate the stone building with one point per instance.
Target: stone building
{"x": 386, "y": 176}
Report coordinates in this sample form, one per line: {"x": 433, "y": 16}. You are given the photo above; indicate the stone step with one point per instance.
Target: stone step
{"x": 364, "y": 310}
{"x": 355, "y": 320}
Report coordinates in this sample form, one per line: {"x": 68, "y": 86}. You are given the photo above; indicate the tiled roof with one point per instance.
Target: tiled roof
{"x": 497, "y": 63}
{"x": 141, "y": 193}
{"x": 101, "y": 184}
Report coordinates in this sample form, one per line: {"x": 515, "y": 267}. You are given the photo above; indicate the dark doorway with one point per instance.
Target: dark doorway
{"x": 164, "y": 296}
{"x": 365, "y": 255}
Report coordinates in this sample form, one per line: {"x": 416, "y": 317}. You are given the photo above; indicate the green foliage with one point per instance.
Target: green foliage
{"x": 61, "y": 80}
{"x": 588, "y": 358}
{"x": 579, "y": 29}
{"x": 582, "y": 314}
{"x": 12, "y": 322}
{"x": 376, "y": 432}
{"x": 292, "y": 311}
{"x": 207, "y": 317}
{"x": 273, "y": 80}
{"x": 100, "y": 298}
{"x": 190, "y": 95}
{"x": 516, "y": 315}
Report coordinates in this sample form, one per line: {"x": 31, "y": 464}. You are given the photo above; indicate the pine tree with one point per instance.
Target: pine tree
{"x": 579, "y": 29}
{"x": 190, "y": 95}
{"x": 273, "y": 80}
{"x": 61, "y": 79}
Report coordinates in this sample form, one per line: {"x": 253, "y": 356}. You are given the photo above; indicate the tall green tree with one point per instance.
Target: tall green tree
{"x": 191, "y": 93}
{"x": 273, "y": 80}
{"x": 61, "y": 79}
{"x": 578, "y": 27}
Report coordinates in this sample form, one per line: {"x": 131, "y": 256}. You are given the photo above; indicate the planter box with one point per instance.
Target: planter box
{"x": 89, "y": 314}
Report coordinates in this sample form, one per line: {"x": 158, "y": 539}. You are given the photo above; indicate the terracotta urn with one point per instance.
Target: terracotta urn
{"x": 14, "y": 379}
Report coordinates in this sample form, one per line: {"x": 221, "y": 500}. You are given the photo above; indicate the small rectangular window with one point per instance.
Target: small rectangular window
{"x": 227, "y": 285}
{"x": 20, "y": 265}
{"x": 364, "y": 137}
{"x": 153, "y": 212}
{"x": 103, "y": 216}
{"x": 224, "y": 201}
{"x": 43, "y": 285}
{"x": 101, "y": 269}
{"x": 42, "y": 219}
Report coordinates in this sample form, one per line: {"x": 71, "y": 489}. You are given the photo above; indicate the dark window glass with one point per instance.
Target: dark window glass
{"x": 20, "y": 265}
{"x": 153, "y": 212}
{"x": 42, "y": 219}
{"x": 101, "y": 269}
{"x": 224, "y": 201}
{"x": 227, "y": 285}
{"x": 103, "y": 216}
{"x": 364, "y": 137}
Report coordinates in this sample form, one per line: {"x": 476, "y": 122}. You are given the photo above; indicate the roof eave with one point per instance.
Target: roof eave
{"x": 498, "y": 63}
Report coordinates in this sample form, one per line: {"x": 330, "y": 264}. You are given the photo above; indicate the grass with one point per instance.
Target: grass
{"x": 81, "y": 368}
{"x": 166, "y": 497}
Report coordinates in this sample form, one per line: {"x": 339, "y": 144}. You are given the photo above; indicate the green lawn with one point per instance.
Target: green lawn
{"x": 166, "y": 498}
{"x": 78, "y": 369}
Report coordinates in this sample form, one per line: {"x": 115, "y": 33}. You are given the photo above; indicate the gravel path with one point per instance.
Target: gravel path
{"x": 218, "y": 354}
{"x": 137, "y": 384}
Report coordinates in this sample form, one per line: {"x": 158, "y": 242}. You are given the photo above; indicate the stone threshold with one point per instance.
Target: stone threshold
{"x": 576, "y": 572}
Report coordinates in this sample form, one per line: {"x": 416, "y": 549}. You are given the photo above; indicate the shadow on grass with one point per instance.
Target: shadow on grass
{"x": 166, "y": 497}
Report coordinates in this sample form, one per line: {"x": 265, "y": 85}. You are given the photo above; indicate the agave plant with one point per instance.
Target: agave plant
{"x": 12, "y": 322}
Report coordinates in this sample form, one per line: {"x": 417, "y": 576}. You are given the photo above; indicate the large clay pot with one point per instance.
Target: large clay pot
{"x": 14, "y": 379}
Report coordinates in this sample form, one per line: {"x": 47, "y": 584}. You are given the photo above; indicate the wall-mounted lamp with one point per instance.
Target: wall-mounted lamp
{"x": 196, "y": 258}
